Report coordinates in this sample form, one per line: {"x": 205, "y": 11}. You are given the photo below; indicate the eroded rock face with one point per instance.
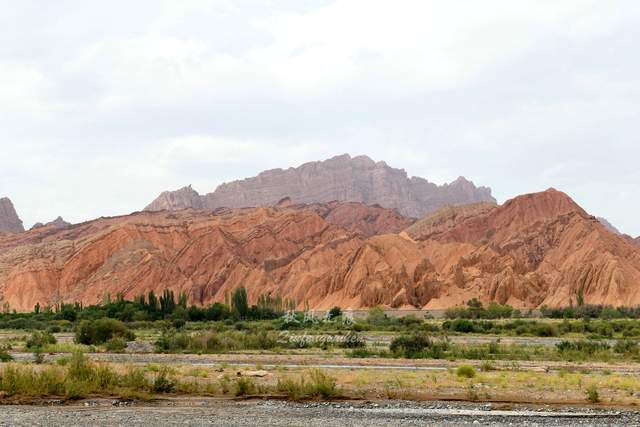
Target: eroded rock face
{"x": 535, "y": 249}
{"x": 183, "y": 198}
{"x": 9, "y": 220}
{"x": 342, "y": 178}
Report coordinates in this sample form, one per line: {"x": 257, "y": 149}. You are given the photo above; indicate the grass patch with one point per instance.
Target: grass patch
{"x": 318, "y": 385}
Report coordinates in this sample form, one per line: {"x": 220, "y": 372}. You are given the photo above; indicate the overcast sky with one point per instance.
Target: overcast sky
{"x": 104, "y": 104}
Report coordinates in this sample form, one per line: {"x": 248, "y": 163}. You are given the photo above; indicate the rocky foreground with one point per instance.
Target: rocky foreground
{"x": 534, "y": 250}
{"x": 278, "y": 413}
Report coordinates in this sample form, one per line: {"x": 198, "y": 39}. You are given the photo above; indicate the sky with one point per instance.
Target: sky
{"x": 103, "y": 105}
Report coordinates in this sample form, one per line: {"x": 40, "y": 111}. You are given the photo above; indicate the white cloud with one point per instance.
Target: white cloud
{"x": 105, "y": 104}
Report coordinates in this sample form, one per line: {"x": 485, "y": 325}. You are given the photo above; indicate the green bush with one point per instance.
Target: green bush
{"x": 91, "y": 332}
{"x": 245, "y": 386}
{"x": 5, "y": 356}
{"x": 592, "y": 394}
{"x": 625, "y": 346}
{"x": 116, "y": 344}
{"x": 319, "y": 384}
{"x": 163, "y": 383}
{"x": 581, "y": 346}
{"x": 217, "y": 342}
{"x": 352, "y": 340}
{"x": 335, "y": 312}
{"x": 40, "y": 339}
{"x": 418, "y": 345}
{"x": 466, "y": 371}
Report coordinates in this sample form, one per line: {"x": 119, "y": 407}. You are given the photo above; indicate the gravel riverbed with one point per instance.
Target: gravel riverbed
{"x": 221, "y": 412}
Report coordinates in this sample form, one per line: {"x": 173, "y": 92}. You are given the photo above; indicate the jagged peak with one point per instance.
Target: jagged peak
{"x": 550, "y": 198}
{"x": 342, "y": 177}
{"x": 9, "y": 220}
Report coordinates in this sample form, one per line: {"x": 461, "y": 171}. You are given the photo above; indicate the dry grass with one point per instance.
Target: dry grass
{"x": 74, "y": 379}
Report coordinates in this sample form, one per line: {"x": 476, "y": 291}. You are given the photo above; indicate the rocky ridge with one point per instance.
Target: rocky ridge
{"x": 341, "y": 178}
{"x": 9, "y": 220}
{"x": 608, "y": 225}
{"x": 57, "y": 223}
{"x": 533, "y": 250}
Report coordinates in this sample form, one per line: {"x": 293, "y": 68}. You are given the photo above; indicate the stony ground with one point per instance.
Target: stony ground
{"x": 197, "y": 412}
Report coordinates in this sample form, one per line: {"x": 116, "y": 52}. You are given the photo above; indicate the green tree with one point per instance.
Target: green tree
{"x": 580, "y": 297}
{"x": 240, "y": 302}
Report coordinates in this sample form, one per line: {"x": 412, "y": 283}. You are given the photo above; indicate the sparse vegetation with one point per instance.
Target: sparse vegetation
{"x": 318, "y": 385}
{"x": 592, "y": 394}
{"x": 40, "y": 339}
{"x": 466, "y": 371}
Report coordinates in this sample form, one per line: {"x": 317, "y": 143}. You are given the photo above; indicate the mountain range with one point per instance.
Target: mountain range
{"x": 341, "y": 178}
{"x": 291, "y": 241}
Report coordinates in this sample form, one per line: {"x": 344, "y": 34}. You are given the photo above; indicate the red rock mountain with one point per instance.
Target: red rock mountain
{"x": 342, "y": 178}
{"x": 9, "y": 220}
{"x": 535, "y": 249}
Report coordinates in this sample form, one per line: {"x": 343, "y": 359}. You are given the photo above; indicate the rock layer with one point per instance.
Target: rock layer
{"x": 342, "y": 178}
{"x": 534, "y": 250}
{"x": 9, "y": 220}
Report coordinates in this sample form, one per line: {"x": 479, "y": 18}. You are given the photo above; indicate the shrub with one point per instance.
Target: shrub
{"x": 410, "y": 346}
{"x": 352, "y": 340}
{"x": 163, "y": 383}
{"x": 5, "y": 356}
{"x": 40, "y": 339}
{"x": 377, "y": 316}
{"x": 319, "y": 385}
{"x": 418, "y": 345}
{"x": 135, "y": 379}
{"x": 335, "y": 312}
{"x": 116, "y": 344}
{"x": 101, "y": 330}
{"x": 592, "y": 394}
{"x": 466, "y": 371}
{"x": 462, "y": 325}
{"x": 625, "y": 346}
{"x": 178, "y": 323}
{"x": 212, "y": 342}
{"x": 245, "y": 386}
{"x": 544, "y": 330}
{"x": 581, "y": 346}
{"x": 487, "y": 366}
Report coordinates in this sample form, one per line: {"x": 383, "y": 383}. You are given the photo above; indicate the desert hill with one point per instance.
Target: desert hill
{"x": 535, "y": 249}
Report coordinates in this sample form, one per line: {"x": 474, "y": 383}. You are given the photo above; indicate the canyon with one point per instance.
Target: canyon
{"x": 341, "y": 178}
{"x": 534, "y": 250}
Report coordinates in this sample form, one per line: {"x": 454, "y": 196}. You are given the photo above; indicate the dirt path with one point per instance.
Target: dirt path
{"x": 195, "y": 412}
